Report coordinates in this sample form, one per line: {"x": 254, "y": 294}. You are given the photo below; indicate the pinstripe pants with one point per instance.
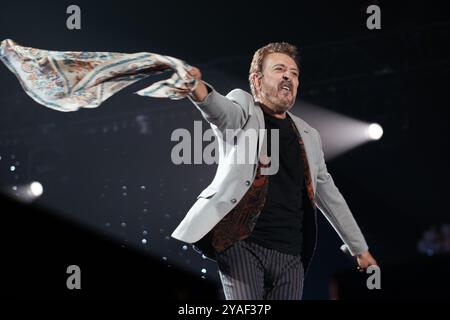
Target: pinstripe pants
{"x": 249, "y": 271}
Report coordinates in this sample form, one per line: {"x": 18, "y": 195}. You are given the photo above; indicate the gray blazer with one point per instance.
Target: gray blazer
{"x": 238, "y": 111}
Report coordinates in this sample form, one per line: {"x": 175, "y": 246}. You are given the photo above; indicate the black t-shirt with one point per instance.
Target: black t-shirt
{"x": 279, "y": 225}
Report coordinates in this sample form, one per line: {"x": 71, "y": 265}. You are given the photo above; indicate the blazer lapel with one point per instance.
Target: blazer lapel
{"x": 306, "y": 148}
{"x": 261, "y": 129}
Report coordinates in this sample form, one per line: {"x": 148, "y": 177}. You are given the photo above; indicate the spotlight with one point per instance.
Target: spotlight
{"x": 27, "y": 192}
{"x": 339, "y": 133}
{"x": 374, "y": 131}
{"x": 36, "y": 189}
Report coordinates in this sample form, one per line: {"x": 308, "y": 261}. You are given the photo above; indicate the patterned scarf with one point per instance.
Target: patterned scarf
{"x": 70, "y": 80}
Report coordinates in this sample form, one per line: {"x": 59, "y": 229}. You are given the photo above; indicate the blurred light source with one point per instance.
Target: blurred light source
{"x": 375, "y": 131}
{"x": 36, "y": 189}
{"x": 27, "y": 192}
{"x": 339, "y": 133}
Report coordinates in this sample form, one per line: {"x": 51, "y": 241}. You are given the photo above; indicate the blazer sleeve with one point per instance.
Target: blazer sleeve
{"x": 225, "y": 112}
{"x": 334, "y": 207}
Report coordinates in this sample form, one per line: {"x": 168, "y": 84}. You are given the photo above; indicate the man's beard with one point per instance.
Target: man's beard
{"x": 280, "y": 105}
{"x": 281, "y": 108}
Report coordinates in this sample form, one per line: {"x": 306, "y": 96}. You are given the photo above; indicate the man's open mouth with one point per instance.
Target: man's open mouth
{"x": 286, "y": 87}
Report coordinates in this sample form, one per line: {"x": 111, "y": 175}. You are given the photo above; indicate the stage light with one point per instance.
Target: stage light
{"x": 375, "y": 131}
{"x": 27, "y": 192}
{"x": 36, "y": 189}
{"x": 339, "y": 133}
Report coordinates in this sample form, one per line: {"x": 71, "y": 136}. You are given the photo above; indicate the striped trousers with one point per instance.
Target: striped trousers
{"x": 249, "y": 271}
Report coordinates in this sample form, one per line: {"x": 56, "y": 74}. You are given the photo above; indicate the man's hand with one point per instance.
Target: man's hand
{"x": 365, "y": 260}
{"x": 200, "y": 92}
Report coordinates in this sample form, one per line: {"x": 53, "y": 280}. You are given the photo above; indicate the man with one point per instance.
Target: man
{"x": 261, "y": 228}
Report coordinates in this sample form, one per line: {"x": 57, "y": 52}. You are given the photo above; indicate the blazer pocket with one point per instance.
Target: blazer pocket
{"x": 207, "y": 193}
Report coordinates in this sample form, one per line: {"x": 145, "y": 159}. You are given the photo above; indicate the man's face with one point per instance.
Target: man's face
{"x": 279, "y": 82}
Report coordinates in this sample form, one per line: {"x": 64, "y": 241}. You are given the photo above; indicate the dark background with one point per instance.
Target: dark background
{"x": 109, "y": 169}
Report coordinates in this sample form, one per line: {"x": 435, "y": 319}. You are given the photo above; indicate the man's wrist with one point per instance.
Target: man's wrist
{"x": 200, "y": 93}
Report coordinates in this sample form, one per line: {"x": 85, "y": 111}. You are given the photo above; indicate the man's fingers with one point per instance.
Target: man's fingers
{"x": 191, "y": 71}
{"x": 194, "y": 73}
{"x": 190, "y": 74}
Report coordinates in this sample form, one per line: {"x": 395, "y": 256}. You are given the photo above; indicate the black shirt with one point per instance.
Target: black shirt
{"x": 279, "y": 225}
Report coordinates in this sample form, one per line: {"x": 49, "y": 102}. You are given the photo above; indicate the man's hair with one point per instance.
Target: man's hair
{"x": 260, "y": 54}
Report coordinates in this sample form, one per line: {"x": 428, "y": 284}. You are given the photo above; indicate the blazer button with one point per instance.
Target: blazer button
{"x": 247, "y": 183}
{"x": 233, "y": 200}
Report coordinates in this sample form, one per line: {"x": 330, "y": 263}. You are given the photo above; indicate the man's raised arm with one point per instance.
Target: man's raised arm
{"x": 225, "y": 112}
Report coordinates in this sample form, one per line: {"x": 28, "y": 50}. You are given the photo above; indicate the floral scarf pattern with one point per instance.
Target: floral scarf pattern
{"x": 70, "y": 80}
